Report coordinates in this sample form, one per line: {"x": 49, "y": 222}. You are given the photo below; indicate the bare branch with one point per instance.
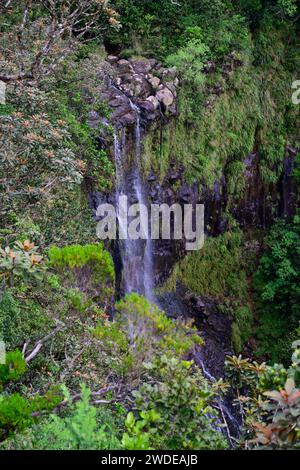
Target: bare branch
{"x": 37, "y": 347}
{"x": 73, "y": 20}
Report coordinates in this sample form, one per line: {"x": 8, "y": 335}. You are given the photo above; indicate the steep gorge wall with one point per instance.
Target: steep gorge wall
{"x": 232, "y": 145}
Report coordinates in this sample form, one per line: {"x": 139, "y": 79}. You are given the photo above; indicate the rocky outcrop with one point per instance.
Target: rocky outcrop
{"x": 142, "y": 83}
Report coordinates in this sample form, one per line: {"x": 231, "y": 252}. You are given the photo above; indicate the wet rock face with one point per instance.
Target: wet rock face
{"x": 214, "y": 327}
{"x": 259, "y": 204}
{"x": 145, "y": 83}
{"x": 172, "y": 190}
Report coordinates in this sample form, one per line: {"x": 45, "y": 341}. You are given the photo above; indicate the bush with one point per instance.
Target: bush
{"x": 181, "y": 398}
{"x": 277, "y": 287}
{"x": 78, "y": 256}
{"x": 14, "y": 367}
{"x": 14, "y": 413}
{"x": 269, "y": 400}
{"x": 22, "y": 261}
{"x": 84, "y": 428}
{"x": 190, "y": 60}
{"x": 139, "y": 331}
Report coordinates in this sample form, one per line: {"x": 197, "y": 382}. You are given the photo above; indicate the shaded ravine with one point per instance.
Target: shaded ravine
{"x": 141, "y": 265}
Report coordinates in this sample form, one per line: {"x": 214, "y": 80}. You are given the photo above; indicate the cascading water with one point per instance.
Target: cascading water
{"x": 136, "y": 255}
{"x": 230, "y": 420}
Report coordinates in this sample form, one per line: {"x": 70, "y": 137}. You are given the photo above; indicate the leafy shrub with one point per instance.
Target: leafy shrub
{"x": 9, "y": 315}
{"x": 180, "y": 397}
{"x": 14, "y": 413}
{"x": 84, "y": 428}
{"x": 23, "y": 260}
{"x": 139, "y": 330}
{"x": 277, "y": 288}
{"x": 139, "y": 432}
{"x": 78, "y": 256}
{"x": 14, "y": 367}
{"x": 24, "y": 318}
{"x": 190, "y": 60}
{"x": 269, "y": 401}
{"x": 46, "y": 158}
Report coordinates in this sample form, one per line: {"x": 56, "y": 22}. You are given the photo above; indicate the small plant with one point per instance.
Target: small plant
{"x": 14, "y": 367}
{"x": 79, "y": 256}
{"x": 23, "y": 260}
{"x": 283, "y": 411}
{"x": 14, "y": 413}
{"x": 139, "y": 432}
{"x": 140, "y": 330}
{"x": 83, "y": 428}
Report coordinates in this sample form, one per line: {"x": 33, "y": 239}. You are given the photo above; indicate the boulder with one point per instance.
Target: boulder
{"x": 148, "y": 111}
{"x": 127, "y": 89}
{"x": 171, "y": 72}
{"x": 154, "y": 101}
{"x": 117, "y": 101}
{"x": 165, "y": 96}
{"x": 154, "y": 82}
{"x": 142, "y": 67}
{"x": 112, "y": 59}
{"x": 124, "y": 66}
{"x": 152, "y": 62}
{"x": 140, "y": 86}
{"x": 128, "y": 119}
{"x": 172, "y": 88}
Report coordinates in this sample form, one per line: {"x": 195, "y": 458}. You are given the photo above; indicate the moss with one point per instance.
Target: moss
{"x": 253, "y": 111}
{"x": 235, "y": 181}
{"x": 236, "y": 338}
{"x": 79, "y": 256}
{"x": 216, "y": 270}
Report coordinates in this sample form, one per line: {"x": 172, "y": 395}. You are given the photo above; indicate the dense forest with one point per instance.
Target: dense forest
{"x": 142, "y": 344}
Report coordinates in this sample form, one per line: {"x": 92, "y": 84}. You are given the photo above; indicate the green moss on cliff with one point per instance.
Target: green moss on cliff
{"x": 253, "y": 111}
{"x": 218, "y": 272}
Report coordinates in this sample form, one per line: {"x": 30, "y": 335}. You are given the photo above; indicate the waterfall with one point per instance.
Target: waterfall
{"x": 136, "y": 255}
{"x": 230, "y": 421}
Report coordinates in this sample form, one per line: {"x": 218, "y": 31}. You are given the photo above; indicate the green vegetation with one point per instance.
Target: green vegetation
{"x": 271, "y": 409}
{"x": 85, "y": 428}
{"x": 277, "y": 287}
{"x": 218, "y": 273}
{"x": 216, "y": 270}
{"x": 77, "y": 256}
{"x": 182, "y": 411}
{"x": 243, "y": 106}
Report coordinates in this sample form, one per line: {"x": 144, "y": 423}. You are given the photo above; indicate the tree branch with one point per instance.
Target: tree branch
{"x": 37, "y": 347}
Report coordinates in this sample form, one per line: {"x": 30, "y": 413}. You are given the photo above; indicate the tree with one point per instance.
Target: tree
{"x": 47, "y": 31}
